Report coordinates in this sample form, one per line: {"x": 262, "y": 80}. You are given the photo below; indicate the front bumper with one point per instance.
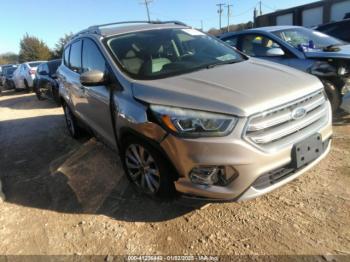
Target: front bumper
{"x": 346, "y": 87}
{"x": 232, "y": 151}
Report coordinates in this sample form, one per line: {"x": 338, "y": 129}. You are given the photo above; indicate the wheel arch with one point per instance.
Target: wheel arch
{"x": 125, "y": 133}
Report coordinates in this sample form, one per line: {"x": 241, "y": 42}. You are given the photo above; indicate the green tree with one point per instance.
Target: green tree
{"x": 32, "y": 48}
{"x": 59, "y": 47}
{"x": 8, "y": 58}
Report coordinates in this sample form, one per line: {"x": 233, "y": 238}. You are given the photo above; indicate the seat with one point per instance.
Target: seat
{"x": 132, "y": 62}
{"x": 158, "y": 63}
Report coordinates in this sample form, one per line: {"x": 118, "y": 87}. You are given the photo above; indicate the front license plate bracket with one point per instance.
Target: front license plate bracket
{"x": 307, "y": 151}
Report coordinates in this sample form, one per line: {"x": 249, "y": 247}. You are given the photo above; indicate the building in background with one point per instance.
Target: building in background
{"x": 308, "y": 15}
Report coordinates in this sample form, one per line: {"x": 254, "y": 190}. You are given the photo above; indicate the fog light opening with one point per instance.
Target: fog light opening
{"x": 212, "y": 175}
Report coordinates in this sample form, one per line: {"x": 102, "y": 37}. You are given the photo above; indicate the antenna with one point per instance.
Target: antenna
{"x": 146, "y": 3}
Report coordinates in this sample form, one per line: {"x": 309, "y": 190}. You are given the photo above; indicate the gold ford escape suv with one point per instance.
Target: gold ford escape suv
{"x": 190, "y": 114}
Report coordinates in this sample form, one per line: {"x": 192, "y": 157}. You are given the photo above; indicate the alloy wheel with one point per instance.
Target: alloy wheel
{"x": 142, "y": 168}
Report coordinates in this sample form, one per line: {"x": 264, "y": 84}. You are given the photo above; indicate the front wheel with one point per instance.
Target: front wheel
{"x": 333, "y": 94}
{"x": 147, "y": 168}
{"x": 27, "y": 86}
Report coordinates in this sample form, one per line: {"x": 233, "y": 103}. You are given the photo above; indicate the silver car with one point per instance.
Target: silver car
{"x": 24, "y": 76}
{"x": 189, "y": 114}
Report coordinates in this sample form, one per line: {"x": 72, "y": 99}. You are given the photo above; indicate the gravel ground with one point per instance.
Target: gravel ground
{"x": 67, "y": 197}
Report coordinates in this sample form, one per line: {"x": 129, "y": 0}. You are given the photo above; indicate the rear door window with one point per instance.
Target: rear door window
{"x": 75, "y": 57}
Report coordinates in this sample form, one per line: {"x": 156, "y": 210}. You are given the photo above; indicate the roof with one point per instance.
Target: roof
{"x": 134, "y": 28}
{"x": 334, "y": 23}
{"x": 127, "y": 27}
{"x": 275, "y": 28}
{"x": 259, "y": 29}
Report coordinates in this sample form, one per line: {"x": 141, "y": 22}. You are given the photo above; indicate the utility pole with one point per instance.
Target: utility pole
{"x": 260, "y": 7}
{"x": 146, "y": 3}
{"x": 228, "y": 16}
{"x": 255, "y": 15}
{"x": 220, "y": 11}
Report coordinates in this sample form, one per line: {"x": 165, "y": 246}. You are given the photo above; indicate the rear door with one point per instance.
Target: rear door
{"x": 76, "y": 90}
{"x": 97, "y": 109}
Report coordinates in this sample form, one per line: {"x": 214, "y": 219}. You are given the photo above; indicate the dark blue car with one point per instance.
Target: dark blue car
{"x": 46, "y": 85}
{"x": 311, "y": 51}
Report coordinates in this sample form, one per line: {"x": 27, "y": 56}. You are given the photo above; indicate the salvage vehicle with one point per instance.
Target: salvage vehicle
{"x": 189, "y": 114}
{"x": 2, "y": 72}
{"x": 340, "y": 29}
{"x": 45, "y": 84}
{"x": 311, "y": 51}
{"x": 7, "y": 82}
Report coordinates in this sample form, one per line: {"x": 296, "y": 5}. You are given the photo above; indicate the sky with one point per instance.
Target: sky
{"x": 51, "y": 19}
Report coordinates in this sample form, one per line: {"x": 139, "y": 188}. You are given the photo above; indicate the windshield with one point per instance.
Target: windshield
{"x": 302, "y": 37}
{"x": 53, "y": 65}
{"x": 161, "y": 53}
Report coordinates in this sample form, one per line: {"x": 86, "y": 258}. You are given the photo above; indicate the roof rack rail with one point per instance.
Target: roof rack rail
{"x": 96, "y": 28}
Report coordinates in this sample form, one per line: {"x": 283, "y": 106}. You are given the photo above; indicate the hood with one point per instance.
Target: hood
{"x": 342, "y": 52}
{"x": 240, "y": 89}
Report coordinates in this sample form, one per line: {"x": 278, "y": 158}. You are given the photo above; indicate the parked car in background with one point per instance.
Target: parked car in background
{"x": 7, "y": 82}
{"x": 311, "y": 51}
{"x": 2, "y": 70}
{"x": 45, "y": 84}
{"x": 190, "y": 114}
{"x": 25, "y": 75}
{"x": 340, "y": 29}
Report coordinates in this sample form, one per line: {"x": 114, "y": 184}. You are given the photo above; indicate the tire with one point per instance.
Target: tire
{"x": 56, "y": 95}
{"x": 38, "y": 92}
{"x": 26, "y": 85}
{"x": 147, "y": 169}
{"x": 333, "y": 94}
{"x": 71, "y": 122}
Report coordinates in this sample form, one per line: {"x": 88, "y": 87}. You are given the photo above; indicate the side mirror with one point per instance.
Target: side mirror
{"x": 275, "y": 52}
{"x": 93, "y": 78}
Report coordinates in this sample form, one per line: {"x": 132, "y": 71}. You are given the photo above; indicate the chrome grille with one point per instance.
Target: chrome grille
{"x": 278, "y": 127}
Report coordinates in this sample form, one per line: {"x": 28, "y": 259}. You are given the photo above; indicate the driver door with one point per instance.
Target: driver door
{"x": 96, "y": 108}
{"x": 261, "y": 46}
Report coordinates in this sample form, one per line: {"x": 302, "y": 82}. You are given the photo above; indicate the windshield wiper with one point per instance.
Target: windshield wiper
{"x": 334, "y": 47}
{"x": 222, "y": 63}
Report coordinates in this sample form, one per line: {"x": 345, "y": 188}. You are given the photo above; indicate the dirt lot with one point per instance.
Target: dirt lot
{"x": 70, "y": 197}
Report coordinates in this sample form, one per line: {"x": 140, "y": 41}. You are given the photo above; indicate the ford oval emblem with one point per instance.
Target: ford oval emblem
{"x": 298, "y": 113}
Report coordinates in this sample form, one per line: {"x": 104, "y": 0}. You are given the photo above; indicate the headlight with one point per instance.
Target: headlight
{"x": 192, "y": 123}
{"x": 342, "y": 71}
